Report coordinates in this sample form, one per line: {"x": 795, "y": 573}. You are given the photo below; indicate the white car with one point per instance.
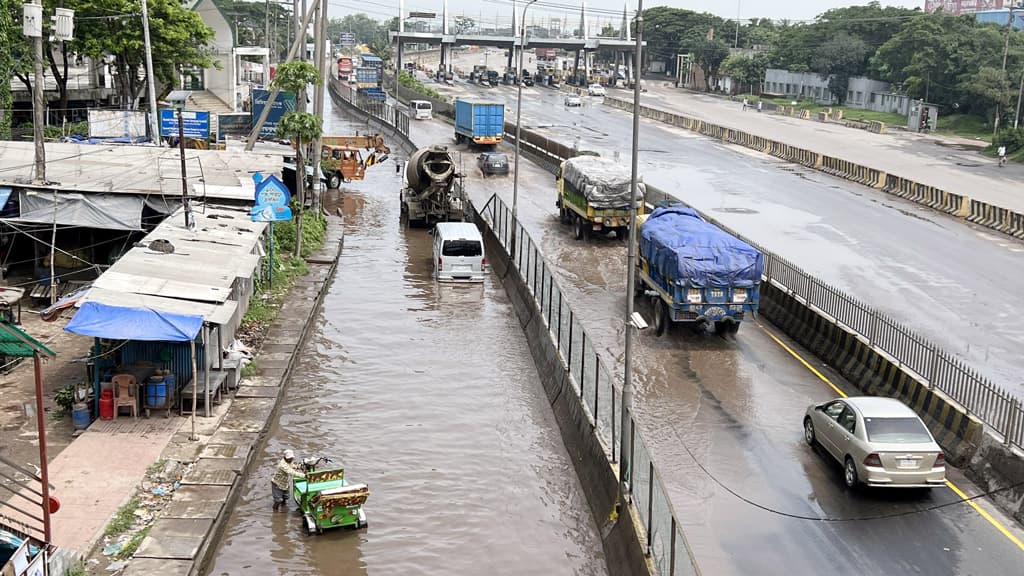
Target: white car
{"x": 573, "y": 100}
{"x": 879, "y": 442}
{"x": 595, "y": 90}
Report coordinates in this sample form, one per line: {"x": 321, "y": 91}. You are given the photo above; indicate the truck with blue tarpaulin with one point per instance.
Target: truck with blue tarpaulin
{"x": 696, "y": 272}
{"x": 479, "y": 121}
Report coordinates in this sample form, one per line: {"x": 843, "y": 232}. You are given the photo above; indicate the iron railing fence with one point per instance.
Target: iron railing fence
{"x": 597, "y": 389}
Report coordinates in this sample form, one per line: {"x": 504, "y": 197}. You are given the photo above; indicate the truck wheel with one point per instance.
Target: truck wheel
{"x": 734, "y": 327}
{"x": 577, "y": 228}
{"x": 721, "y": 328}
{"x": 334, "y": 182}
{"x": 660, "y": 317}
{"x": 638, "y": 285}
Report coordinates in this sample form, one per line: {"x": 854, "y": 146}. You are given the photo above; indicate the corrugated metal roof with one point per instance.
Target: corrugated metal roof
{"x": 212, "y": 313}
{"x": 143, "y": 170}
{"x": 14, "y": 342}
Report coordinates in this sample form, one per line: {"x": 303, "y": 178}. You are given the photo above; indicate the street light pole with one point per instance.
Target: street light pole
{"x": 519, "y": 115}
{"x": 154, "y": 120}
{"x": 627, "y": 382}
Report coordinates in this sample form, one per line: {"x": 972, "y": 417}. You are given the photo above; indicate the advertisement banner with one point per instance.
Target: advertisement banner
{"x": 284, "y": 103}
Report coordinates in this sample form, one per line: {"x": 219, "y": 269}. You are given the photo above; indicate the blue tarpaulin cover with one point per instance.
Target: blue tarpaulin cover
{"x": 681, "y": 246}
{"x": 122, "y": 323}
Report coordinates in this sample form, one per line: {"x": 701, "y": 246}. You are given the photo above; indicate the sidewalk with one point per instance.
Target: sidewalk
{"x": 923, "y": 158}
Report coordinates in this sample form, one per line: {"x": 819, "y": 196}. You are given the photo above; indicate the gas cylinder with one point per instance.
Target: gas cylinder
{"x": 107, "y": 405}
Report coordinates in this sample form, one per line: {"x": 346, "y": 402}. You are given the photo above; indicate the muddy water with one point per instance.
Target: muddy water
{"x": 428, "y": 394}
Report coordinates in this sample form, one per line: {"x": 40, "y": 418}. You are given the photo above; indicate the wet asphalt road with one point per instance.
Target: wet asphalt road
{"x": 942, "y": 277}
{"x": 429, "y": 395}
{"x": 733, "y": 407}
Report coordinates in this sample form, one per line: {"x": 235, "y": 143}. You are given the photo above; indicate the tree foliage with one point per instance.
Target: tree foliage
{"x": 7, "y": 31}
{"x": 747, "y": 70}
{"x": 839, "y": 59}
{"x": 252, "y": 20}
{"x": 364, "y": 28}
{"x": 179, "y": 39}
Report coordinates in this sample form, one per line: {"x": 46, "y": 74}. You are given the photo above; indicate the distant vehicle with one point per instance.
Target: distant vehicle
{"x": 879, "y": 442}
{"x": 527, "y": 78}
{"x": 573, "y": 100}
{"x": 479, "y": 121}
{"x": 458, "y": 252}
{"x": 344, "y": 68}
{"x": 492, "y": 163}
{"x": 421, "y": 109}
{"x": 698, "y": 273}
{"x": 595, "y": 90}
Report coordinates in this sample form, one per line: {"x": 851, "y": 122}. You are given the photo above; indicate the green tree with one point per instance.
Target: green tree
{"x": 991, "y": 87}
{"x": 299, "y": 127}
{"x": 6, "y": 67}
{"x": 179, "y": 39}
{"x": 710, "y": 54}
{"x": 360, "y": 25}
{"x": 839, "y": 59}
{"x": 746, "y": 70}
{"x": 672, "y": 31}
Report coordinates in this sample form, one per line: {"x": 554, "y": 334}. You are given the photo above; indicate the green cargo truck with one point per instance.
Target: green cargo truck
{"x": 593, "y": 196}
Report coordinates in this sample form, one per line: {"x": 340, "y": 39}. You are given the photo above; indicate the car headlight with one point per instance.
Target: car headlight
{"x": 739, "y": 295}
{"x": 693, "y": 296}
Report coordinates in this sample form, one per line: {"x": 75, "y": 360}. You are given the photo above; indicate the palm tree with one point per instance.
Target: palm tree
{"x": 299, "y": 127}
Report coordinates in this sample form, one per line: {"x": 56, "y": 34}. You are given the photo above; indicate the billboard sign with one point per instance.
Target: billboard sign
{"x": 284, "y": 103}
{"x": 195, "y": 124}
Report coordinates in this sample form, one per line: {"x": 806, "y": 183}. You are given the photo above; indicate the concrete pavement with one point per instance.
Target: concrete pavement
{"x": 922, "y": 158}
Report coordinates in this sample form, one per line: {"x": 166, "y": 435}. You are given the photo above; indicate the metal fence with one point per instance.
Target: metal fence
{"x": 595, "y": 389}
{"x": 914, "y": 353}
{"x": 381, "y": 110}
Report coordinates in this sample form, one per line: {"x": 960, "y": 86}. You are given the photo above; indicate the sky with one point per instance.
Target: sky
{"x": 490, "y": 10}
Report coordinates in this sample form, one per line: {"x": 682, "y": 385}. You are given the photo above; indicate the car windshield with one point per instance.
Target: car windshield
{"x": 462, "y": 248}
{"x": 896, "y": 430}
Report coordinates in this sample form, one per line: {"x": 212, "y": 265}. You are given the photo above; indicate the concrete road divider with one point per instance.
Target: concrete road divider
{"x": 994, "y": 217}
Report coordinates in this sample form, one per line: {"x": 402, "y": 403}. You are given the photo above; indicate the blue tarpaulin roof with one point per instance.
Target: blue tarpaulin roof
{"x": 687, "y": 249}
{"x": 123, "y": 323}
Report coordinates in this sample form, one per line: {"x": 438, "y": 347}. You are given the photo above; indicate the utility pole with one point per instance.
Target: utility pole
{"x": 736, "y": 41}
{"x": 154, "y": 120}
{"x": 318, "y": 100}
{"x": 300, "y": 158}
{"x": 184, "y": 176}
{"x": 1006, "y": 52}
{"x": 625, "y": 450}
{"x": 1020, "y": 92}
{"x": 33, "y": 28}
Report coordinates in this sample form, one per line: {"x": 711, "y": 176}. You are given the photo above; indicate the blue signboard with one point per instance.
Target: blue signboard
{"x": 283, "y": 103}
{"x": 196, "y": 124}
{"x": 272, "y": 199}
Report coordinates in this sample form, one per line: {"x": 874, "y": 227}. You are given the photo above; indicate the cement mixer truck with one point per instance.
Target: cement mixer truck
{"x": 433, "y": 188}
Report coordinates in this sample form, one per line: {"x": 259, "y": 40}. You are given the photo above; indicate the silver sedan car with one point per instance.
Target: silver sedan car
{"x": 879, "y": 442}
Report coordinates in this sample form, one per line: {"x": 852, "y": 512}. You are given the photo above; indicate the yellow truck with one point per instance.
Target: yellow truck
{"x": 594, "y": 196}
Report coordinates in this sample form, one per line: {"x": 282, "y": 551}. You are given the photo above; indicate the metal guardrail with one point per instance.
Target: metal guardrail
{"x": 936, "y": 368}
{"x": 595, "y": 389}
{"x": 381, "y": 110}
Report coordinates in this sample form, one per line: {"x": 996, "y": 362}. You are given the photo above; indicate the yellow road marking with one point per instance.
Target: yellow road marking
{"x": 986, "y": 515}
{"x": 960, "y": 493}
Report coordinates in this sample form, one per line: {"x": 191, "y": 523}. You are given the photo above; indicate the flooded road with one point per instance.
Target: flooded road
{"x": 722, "y": 418}
{"x": 429, "y": 395}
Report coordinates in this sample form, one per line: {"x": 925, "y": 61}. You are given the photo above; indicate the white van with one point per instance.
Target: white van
{"x": 458, "y": 252}
{"x": 421, "y": 109}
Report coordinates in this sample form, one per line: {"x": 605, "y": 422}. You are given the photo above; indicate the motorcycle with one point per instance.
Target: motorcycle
{"x": 326, "y": 498}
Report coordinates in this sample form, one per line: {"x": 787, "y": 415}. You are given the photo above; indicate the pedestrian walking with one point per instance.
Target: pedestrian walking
{"x": 759, "y": 103}
{"x": 1002, "y": 155}
{"x": 744, "y": 104}
{"x": 281, "y": 483}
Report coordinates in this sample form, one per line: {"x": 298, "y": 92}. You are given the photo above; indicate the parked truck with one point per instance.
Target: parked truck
{"x": 479, "y": 121}
{"x": 594, "y": 196}
{"x": 433, "y": 191}
{"x": 696, "y": 272}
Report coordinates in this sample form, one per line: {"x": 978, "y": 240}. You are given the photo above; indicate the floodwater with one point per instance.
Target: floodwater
{"x": 429, "y": 395}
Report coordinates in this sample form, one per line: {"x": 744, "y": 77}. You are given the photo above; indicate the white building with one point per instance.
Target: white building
{"x": 224, "y": 86}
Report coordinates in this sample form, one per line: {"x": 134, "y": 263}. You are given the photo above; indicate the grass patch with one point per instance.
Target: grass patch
{"x": 123, "y": 519}
{"x": 77, "y": 570}
{"x": 250, "y": 370}
{"x": 965, "y": 126}
{"x": 156, "y": 467}
{"x": 129, "y": 548}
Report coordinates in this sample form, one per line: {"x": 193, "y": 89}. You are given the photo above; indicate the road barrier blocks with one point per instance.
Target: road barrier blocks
{"x": 872, "y": 373}
{"x": 876, "y": 127}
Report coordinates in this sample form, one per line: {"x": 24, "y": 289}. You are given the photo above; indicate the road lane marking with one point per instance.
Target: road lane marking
{"x": 800, "y": 359}
{"x": 986, "y": 515}
{"x": 960, "y": 493}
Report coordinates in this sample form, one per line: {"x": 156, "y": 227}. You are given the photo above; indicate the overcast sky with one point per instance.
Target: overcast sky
{"x": 489, "y": 10}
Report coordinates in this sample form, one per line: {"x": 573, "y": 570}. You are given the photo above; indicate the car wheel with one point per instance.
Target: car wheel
{"x": 850, "y": 473}
{"x": 809, "y": 432}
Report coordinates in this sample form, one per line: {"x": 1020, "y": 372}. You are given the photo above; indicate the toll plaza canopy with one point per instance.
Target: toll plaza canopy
{"x": 126, "y": 323}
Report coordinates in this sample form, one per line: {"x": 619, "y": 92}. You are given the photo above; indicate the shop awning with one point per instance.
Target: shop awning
{"x": 124, "y": 323}
{"x": 105, "y": 211}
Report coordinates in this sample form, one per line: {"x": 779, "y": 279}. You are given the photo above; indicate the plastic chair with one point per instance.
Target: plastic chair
{"x": 125, "y": 387}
